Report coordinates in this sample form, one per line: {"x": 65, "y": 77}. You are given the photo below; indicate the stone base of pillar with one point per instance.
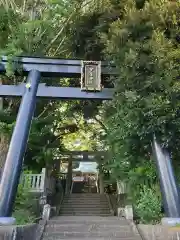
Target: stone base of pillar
{"x": 120, "y": 212}
{"x": 170, "y": 221}
{"x": 46, "y": 212}
{"x": 6, "y": 221}
{"x": 128, "y": 212}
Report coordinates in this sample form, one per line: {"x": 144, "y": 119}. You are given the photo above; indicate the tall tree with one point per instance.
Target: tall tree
{"x": 35, "y": 28}
{"x": 144, "y": 44}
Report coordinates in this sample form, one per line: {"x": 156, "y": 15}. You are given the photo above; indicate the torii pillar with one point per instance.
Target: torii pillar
{"x": 69, "y": 177}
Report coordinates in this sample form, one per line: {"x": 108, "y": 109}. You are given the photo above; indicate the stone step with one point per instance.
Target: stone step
{"x": 86, "y": 194}
{"x": 90, "y": 227}
{"x": 74, "y": 208}
{"x": 95, "y": 199}
{"x": 86, "y": 214}
{"x": 122, "y": 234}
{"x": 85, "y": 200}
{"x": 100, "y": 220}
{"x": 84, "y": 210}
{"x": 85, "y": 197}
{"x": 85, "y": 228}
{"x": 85, "y": 206}
{"x": 89, "y": 238}
{"x": 92, "y": 201}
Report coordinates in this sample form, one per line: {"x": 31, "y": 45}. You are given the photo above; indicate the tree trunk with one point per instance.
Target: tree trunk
{"x": 1, "y": 99}
{"x": 4, "y": 141}
{"x": 4, "y": 144}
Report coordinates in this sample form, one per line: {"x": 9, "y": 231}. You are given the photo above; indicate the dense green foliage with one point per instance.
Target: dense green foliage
{"x": 148, "y": 205}
{"x": 25, "y": 205}
{"x": 144, "y": 44}
{"x": 39, "y": 29}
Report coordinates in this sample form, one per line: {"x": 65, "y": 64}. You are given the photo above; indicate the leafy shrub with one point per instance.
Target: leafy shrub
{"x": 24, "y": 205}
{"x": 148, "y": 205}
{"x": 24, "y": 216}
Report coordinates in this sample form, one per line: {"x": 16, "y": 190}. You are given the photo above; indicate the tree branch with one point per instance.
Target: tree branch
{"x": 102, "y": 125}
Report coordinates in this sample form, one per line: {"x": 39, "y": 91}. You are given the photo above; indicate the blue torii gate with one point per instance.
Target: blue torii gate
{"x": 36, "y": 67}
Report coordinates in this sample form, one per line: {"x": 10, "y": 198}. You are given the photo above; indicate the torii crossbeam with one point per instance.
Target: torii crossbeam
{"x": 49, "y": 67}
{"x": 83, "y": 156}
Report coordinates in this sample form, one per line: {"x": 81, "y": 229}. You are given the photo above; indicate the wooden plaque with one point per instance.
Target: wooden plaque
{"x": 91, "y": 76}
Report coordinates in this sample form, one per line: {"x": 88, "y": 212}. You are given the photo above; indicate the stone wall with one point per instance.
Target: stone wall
{"x": 158, "y": 232}
{"x": 26, "y": 232}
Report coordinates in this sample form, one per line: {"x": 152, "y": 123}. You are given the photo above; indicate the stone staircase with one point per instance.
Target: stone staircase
{"x": 87, "y": 204}
{"x": 90, "y": 228}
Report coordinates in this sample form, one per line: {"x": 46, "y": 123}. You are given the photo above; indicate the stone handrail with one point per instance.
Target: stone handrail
{"x": 121, "y": 187}
{"x": 39, "y": 183}
{"x": 35, "y": 182}
{"x": 110, "y": 204}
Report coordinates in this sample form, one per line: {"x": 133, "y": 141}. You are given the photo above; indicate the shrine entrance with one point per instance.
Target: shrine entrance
{"x": 86, "y": 178}
{"x": 93, "y": 85}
